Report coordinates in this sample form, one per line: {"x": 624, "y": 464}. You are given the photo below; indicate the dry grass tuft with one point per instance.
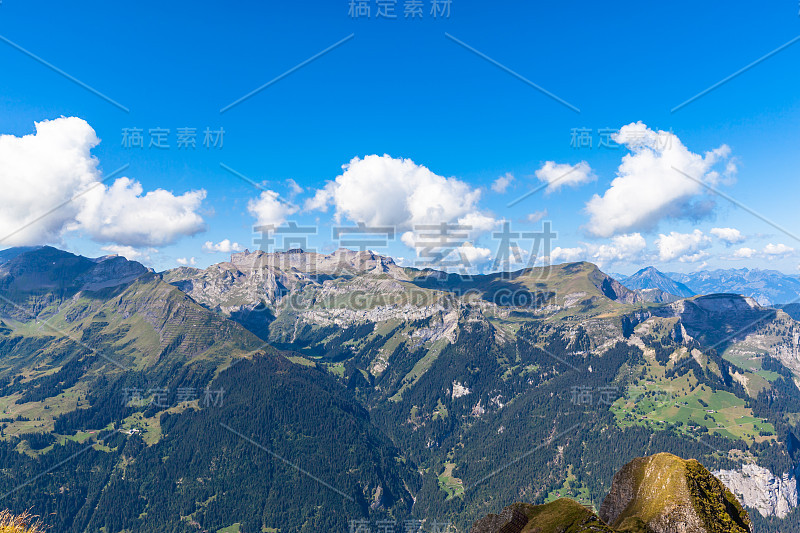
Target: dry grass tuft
{"x": 24, "y": 523}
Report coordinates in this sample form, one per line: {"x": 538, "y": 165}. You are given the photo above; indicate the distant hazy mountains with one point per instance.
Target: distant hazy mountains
{"x": 767, "y": 287}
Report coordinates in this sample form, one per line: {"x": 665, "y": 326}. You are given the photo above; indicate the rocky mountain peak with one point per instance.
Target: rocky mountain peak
{"x": 661, "y": 493}
{"x": 663, "y": 490}
{"x": 342, "y": 261}
{"x": 652, "y": 278}
{"x": 50, "y": 268}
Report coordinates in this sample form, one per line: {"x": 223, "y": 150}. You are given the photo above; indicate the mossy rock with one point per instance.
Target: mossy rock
{"x": 663, "y": 490}
{"x": 658, "y": 494}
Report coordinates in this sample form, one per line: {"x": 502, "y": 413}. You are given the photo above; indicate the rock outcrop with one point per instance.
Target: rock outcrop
{"x": 672, "y": 495}
{"x": 658, "y": 494}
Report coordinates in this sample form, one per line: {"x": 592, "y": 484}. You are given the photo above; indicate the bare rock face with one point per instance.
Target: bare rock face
{"x": 756, "y": 487}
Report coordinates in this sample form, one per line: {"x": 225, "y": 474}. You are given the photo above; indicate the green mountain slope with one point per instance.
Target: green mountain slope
{"x": 128, "y": 406}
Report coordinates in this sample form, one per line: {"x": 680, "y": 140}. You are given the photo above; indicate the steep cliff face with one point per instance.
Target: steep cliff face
{"x": 658, "y": 494}
{"x": 758, "y": 488}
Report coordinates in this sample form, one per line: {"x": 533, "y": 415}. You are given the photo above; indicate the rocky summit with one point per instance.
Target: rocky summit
{"x": 658, "y": 494}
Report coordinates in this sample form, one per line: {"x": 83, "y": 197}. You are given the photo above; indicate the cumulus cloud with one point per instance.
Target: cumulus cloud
{"x": 566, "y": 255}
{"x": 728, "y": 235}
{"x": 560, "y": 175}
{"x": 500, "y": 185}
{"x": 122, "y": 214}
{"x": 40, "y": 172}
{"x": 477, "y": 223}
{"x": 648, "y": 188}
{"x": 270, "y": 210}
{"x": 183, "y": 261}
{"x": 628, "y": 247}
{"x": 778, "y": 250}
{"x": 383, "y": 191}
{"x": 225, "y": 246}
{"x": 622, "y": 248}
{"x": 744, "y": 253}
{"x": 683, "y": 247}
{"x": 470, "y": 255}
{"x": 57, "y": 187}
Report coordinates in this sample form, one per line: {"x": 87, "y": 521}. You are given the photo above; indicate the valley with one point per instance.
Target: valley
{"x": 464, "y": 392}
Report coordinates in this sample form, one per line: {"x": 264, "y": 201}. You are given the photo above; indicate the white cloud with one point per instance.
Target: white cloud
{"x": 501, "y": 184}
{"x": 409, "y": 239}
{"x": 40, "y": 172}
{"x": 728, "y": 235}
{"x": 628, "y": 247}
{"x": 270, "y": 210}
{"x": 471, "y": 255}
{"x": 186, "y": 261}
{"x": 54, "y": 171}
{"x": 224, "y": 246}
{"x": 648, "y": 188}
{"x": 776, "y": 250}
{"x": 384, "y": 191}
{"x": 683, "y": 247}
{"x": 566, "y": 255}
{"x": 560, "y": 175}
{"x": 121, "y": 214}
{"x": 744, "y": 253}
{"x": 321, "y": 199}
{"x": 622, "y": 248}
{"x": 130, "y": 253}
{"x": 536, "y": 216}
{"x": 476, "y": 223}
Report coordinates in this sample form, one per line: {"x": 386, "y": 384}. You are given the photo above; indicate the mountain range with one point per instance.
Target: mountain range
{"x": 295, "y": 391}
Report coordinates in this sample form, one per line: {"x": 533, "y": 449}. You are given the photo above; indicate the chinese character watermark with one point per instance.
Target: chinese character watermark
{"x": 159, "y": 138}
{"x": 585, "y": 395}
{"x": 390, "y": 9}
{"x": 161, "y": 397}
{"x": 363, "y": 525}
{"x": 612, "y": 139}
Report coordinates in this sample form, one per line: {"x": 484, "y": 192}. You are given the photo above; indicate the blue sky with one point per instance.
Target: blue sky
{"x": 402, "y": 87}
